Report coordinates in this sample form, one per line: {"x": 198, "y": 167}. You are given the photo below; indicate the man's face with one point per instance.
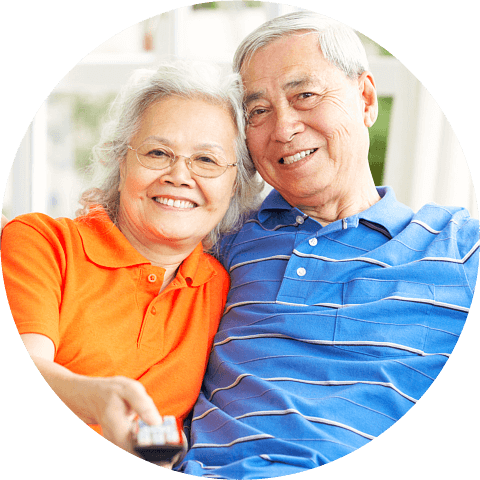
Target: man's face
{"x": 307, "y": 130}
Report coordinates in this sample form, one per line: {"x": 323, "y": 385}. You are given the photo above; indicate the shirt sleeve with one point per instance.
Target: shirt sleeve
{"x": 33, "y": 267}
{"x": 469, "y": 246}
{"x": 221, "y": 289}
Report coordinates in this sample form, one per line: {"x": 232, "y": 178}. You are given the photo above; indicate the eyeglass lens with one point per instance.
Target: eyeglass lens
{"x": 157, "y": 156}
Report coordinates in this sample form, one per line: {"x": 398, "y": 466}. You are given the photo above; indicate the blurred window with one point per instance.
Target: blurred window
{"x": 49, "y": 167}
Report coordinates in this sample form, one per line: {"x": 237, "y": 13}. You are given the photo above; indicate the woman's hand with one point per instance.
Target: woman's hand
{"x": 114, "y": 403}
{"x": 111, "y": 402}
{"x": 118, "y": 401}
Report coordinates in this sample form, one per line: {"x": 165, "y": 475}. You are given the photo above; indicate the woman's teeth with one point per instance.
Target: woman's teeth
{"x": 297, "y": 157}
{"x": 174, "y": 203}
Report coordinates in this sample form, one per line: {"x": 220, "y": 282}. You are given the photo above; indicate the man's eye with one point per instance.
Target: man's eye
{"x": 256, "y": 115}
{"x": 257, "y": 111}
{"x": 306, "y": 95}
{"x": 306, "y": 100}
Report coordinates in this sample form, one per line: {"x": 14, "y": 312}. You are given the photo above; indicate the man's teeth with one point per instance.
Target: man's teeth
{"x": 175, "y": 203}
{"x": 296, "y": 157}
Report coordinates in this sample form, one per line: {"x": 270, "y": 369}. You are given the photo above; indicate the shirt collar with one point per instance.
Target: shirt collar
{"x": 105, "y": 245}
{"x": 273, "y": 203}
{"x": 387, "y": 212}
{"x": 197, "y": 269}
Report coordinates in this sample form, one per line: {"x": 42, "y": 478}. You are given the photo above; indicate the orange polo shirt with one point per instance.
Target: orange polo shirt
{"x": 82, "y": 284}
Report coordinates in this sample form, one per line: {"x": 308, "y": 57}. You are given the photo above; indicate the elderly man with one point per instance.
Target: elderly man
{"x": 345, "y": 305}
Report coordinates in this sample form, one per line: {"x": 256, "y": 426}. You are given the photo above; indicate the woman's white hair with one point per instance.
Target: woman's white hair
{"x": 339, "y": 44}
{"x": 190, "y": 80}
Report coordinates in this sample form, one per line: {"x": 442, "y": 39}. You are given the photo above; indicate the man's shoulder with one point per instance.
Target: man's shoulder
{"x": 227, "y": 240}
{"x": 437, "y": 211}
{"x": 447, "y": 220}
{"x": 454, "y": 237}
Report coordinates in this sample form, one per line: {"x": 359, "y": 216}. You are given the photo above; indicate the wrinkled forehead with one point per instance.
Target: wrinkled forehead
{"x": 284, "y": 60}
{"x": 265, "y": 43}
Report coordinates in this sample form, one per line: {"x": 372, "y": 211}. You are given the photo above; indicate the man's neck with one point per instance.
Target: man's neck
{"x": 332, "y": 208}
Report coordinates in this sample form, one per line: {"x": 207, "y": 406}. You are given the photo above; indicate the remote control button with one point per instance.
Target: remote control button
{"x": 172, "y": 435}
{"x": 169, "y": 420}
{"x": 158, "y": 438}
{"x": 143, "y": 437}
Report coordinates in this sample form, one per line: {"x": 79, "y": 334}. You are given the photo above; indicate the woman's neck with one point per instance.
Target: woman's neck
{"x": 167, "y": 255}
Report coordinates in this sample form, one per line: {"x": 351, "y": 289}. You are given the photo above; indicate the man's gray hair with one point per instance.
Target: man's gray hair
{"x": 190, "y": 80}
{"x": 339, "y": 44}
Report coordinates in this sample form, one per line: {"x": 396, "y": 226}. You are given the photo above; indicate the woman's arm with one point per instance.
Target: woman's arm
{"x": 110, "y": 402}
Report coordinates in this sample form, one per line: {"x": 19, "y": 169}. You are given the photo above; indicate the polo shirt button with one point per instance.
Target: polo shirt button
{"x": 301, "y": 272}
{"x": 313, "y": 242}
{"x": 300, "y": 219}
{"x": 154, "y": 311}
{"x": 152, "y": 278}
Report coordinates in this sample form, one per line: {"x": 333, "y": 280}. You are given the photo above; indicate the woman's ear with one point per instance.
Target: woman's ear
{"x": 123, "y": 173}
{"x": 234, "y": 189}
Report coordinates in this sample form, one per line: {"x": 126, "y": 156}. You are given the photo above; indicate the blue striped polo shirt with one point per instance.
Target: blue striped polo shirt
{"x": 330, "y": 334}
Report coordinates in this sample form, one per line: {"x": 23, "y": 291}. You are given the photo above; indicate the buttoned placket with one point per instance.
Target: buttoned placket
{"x": 300, "y": 220}
{"x": 151, "y": 282}
{"x": 303, "y": 268}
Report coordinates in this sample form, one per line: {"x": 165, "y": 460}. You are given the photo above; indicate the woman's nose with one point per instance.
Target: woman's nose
{"x": 178, "y": 173}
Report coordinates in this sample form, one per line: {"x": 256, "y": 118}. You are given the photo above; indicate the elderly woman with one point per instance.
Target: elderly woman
{"x": 118, "y": 308}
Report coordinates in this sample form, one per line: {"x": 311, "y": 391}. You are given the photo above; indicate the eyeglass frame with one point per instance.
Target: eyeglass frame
{"x": 188, "y": 160}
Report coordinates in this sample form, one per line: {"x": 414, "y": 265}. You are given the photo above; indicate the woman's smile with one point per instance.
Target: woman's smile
{"x": 176, "y": 203}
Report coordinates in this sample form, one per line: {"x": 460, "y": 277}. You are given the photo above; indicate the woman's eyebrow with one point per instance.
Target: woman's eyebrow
{"x": 156, "y": 138}
{"x": 210, "y": 146}
{"x": 199, "y": 147}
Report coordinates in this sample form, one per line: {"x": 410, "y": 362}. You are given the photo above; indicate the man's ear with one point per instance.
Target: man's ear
{"x": 368, "y": 92}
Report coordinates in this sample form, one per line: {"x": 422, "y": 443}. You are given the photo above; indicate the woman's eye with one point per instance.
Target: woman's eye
{"x": 206, "y": 160}
{"x": 157, "y": 153}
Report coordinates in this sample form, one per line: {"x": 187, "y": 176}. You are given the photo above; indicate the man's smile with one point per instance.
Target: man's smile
{"x": 298, "y": 156}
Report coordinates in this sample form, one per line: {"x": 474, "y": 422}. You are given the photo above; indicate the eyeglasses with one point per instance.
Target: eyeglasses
{"x": 156, "y": 156}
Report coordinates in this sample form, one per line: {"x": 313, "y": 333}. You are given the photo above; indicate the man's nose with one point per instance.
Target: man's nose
{"x": 287, "y": 124}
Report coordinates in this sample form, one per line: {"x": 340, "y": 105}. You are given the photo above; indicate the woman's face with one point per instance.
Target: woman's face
{"x": 147, "y": 215}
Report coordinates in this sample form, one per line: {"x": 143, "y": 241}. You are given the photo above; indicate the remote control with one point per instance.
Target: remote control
{"x": 158, "y": 443}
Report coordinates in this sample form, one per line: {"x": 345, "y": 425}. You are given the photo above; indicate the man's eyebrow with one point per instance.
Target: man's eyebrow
{"x": 252, "y": 97}
{"x": 304, "y": 81}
